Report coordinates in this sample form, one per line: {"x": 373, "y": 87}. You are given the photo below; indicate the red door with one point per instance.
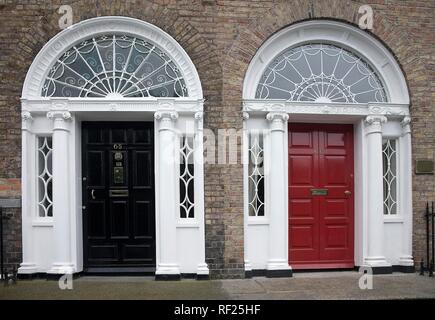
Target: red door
{"x": 321, "y": 203}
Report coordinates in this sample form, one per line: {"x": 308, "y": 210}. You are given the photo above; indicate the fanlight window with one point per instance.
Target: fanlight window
{"x": 320, "y": 73}
{"x": 114, "y": 66}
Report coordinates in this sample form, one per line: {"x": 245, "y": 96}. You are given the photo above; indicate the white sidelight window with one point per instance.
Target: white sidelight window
{"x": 256, "y": 174}
{"x": 45, "y": 178}
{"x": 187, "y": 177}
{"x": 389, "y": 159}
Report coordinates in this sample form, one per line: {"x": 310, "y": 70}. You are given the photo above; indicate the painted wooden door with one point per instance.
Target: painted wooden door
{"x": 321, "y": 202}
{"x": 118, "y": 195}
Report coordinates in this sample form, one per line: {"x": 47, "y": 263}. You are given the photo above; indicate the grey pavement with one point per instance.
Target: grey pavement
{"x": 319, "y": 285}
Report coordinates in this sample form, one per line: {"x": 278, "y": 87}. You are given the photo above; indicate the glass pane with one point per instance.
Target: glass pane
{"x": 187, "y": 174}
{"x": 256, "y": 175}
{"x": 320, "y": 72}
{"x": 117, "y": 66}
{"x": 45, "y": 191}
{"x": 389, "y": 159}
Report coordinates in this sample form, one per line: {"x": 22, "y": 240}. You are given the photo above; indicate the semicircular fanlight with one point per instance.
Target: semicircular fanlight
{"x": 114, "y": 66}
{"x": 320, "y": 72}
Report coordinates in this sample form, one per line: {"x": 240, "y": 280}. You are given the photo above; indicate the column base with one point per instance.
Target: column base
{"x": 27, "y": 268}
{"x": 61, "y": 268}
{"x": 168, "y": 271}
{"x": 379, "y": 265}
{"x": 278, "y": 269}
{"x": 202, "y": 271}
{"x": 406, "y": 261}
{"x": 406, "y": 264}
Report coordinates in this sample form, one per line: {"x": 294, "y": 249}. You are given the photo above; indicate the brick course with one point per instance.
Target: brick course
{"x": 221, "y": 37}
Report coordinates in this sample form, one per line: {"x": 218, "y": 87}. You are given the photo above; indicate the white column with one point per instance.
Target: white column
{"x": 375, "y": 201}
{"x": 277, "y": 264}
{"x": 167, "y": 266}
{"x": 202, "y": 268}
{"x": 28, "y": 265}
{"x": 61, "y": 199}
{"x": 405, "y": 205}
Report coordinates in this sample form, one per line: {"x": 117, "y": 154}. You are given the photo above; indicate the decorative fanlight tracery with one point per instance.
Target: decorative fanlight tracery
{"x": 114, "y": 66}
{"x": 320, "y": 73}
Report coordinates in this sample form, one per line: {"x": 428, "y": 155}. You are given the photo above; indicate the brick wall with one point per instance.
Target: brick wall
{"x": 221, "y": 37}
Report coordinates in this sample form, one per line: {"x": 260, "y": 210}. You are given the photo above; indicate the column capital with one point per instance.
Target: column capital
{"x": 245, "y": 115}
{"x": 199, "y": 115}
{"x": 277, "y": 121}
{"x": 26, "y": 120}
{"x": 375, "y": 119}
{"x": 59, "y": 117}
{"x": 166, "y": 115}
{"x": 26, "y": 116}
{"x": 62, "y": 115}
{"x": 277, "y": 116}
{"x": 405, "y": 123}
{"x": 374, "y": 123}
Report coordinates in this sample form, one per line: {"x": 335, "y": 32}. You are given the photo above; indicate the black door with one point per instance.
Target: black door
{"x": 118, "y": 196}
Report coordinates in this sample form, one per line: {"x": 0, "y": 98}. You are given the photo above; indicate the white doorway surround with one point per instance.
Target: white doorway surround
{"x": 52, "y": 213}
{"x": 382, "y": 142}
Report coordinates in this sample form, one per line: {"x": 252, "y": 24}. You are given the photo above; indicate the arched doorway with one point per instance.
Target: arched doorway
{"x": 112, "y": 153}
{"x": 328, "y": 170}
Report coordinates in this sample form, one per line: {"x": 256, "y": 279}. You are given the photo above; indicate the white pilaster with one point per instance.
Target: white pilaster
{"x": 202, "y": 268}
{"x": 375, "y": 210}
{"x": 61, "y": 193}
{"x": 278, "y": 228}
{"x": 167, "y": 264}
{"x": 405, "y": 160}
{"x": 248, "y": 265}
{"x": 28, "y": 265}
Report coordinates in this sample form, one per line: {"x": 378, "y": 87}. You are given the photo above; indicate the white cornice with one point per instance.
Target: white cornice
{"x": 103, "y": 104}
{"x": 312, "y": 108}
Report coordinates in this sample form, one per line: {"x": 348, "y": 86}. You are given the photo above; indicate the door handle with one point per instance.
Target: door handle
{"x": 347, "y": 193}
{"x": 93, "y": 194}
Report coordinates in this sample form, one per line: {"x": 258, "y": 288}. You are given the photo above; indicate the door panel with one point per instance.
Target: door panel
{"x": 118, "y": 194}
{"x": 320, "y": 225}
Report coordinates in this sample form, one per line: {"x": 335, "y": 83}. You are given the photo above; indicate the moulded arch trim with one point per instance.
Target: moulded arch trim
{"x": 76, "y": 33}
{"x": 333, "y": 32}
